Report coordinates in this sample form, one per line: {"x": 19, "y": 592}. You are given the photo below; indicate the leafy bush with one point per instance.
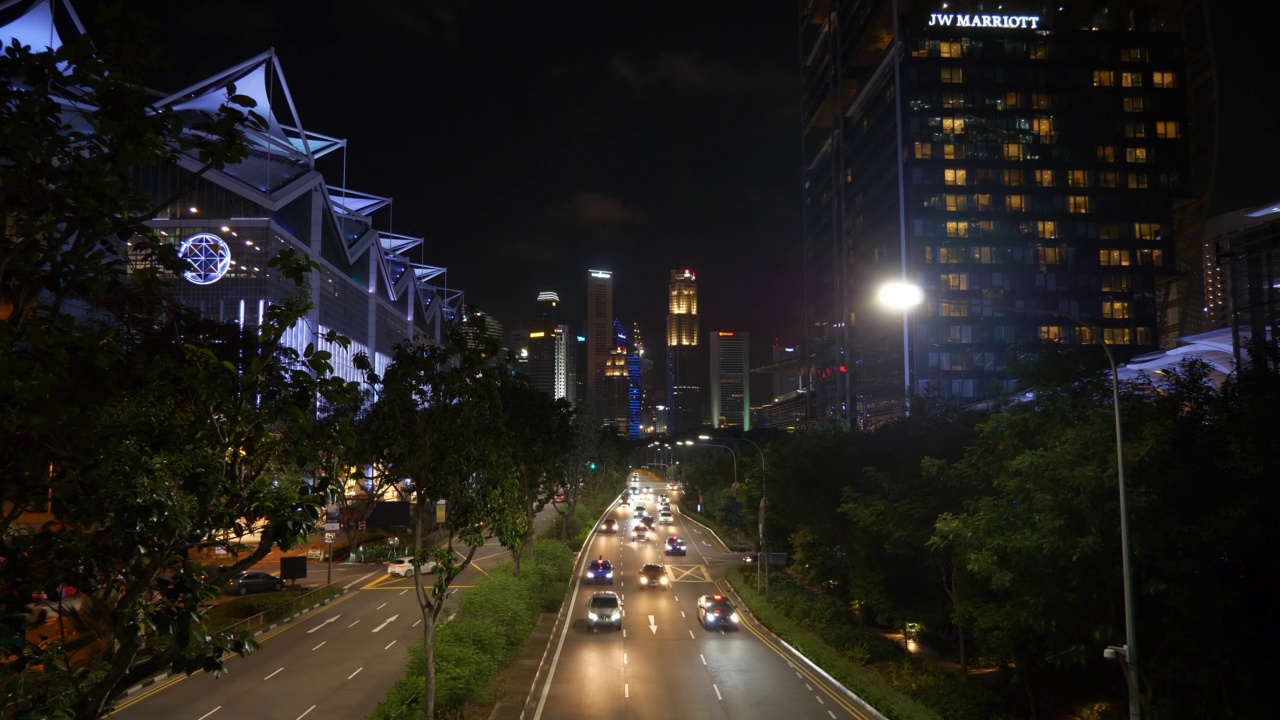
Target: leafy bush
{"x": 953, "y": 699}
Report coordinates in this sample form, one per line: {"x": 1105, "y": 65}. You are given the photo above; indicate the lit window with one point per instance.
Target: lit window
{"x": 953, "y": 151}
{"x": 1151, "y": 256}
{"x": 1012, "y": 151}
{"x": 1048, "y": 255}
{"x": 950, "y": 255}
{"x": 1136, "y": 181}
{"x": 1131, "y": 79}
{"x": 955, "y": 281}
{"x": 951, "y": 309}
{"x": 924, "y": 151}
{"x": 1115, "y": 309}
{"x": 1144, "y": 336}
{"x": 952, "y": 100}
{"x": 949, "y": 49}
{"x": 1168, "y": 129}
{"x": 1044, "y": 178}
{"x": 921, "y": 48}
{"x": 1146, "y": 231}
{"x": 957, "y": 229}
{"x": 1108, "y": 178}
{"x": 1135, "y": 155}
{"x": 1039, "y": 51}
{"x": 1103, "y": 78}
{"x": 1134, "y": 104}
{"x": 1107, "y": 153}
{"x": 952, "y": 125}
{"x": 1013, "y": 178}
{"x": 984, "y": 254}
{"x": 1015, "y": 203}
{"x": 1041, "y": 101}
{"x": 1077, "y": 178}
{"x": 955, "y": 203}
{"x": 1115, "y": 336}
{"x": 1135, "y": 130}
{"x": 985, "y": 227}
{"x": 1164, "y": 80}
{"x": 1042, "y": 126}
{"x": 952, "y": 75}
{"x": 1012, "y": 100}
{"x": 1114, "y": 258}
{"x": 982, "y": 201}
{"x": 955, "y": 176}
{"x": 1051, "y": 332}
{"x": 1078, "y": 203}
{"x": 1046, "y": 229}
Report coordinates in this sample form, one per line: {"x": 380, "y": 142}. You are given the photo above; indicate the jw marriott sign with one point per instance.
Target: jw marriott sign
{"x": 1031, "y": 22}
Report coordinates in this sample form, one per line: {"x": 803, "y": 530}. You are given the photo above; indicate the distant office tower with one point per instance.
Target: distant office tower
{"x": 785, "y": 382}
{"x": 599, "y": 328}
{"x": 548, "y": 348}
{"x": 1017, "y": 166}
{"x": 730, "y": 380}
{"x": 686, "y": 374}
{"x": 620, "y": 395}
{"x": 649, "y": 390}
{"x": 577, "y": 357}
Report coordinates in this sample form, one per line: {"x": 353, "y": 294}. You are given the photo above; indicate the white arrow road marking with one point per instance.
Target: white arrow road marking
{"x": 326, "y": 622}
{"x": 653, "y": 627}
{"x": 387, "y": 622}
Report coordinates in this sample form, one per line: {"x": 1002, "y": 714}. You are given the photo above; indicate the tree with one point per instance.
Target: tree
{"x": 138, "y": 432}
{"x": 438, "y": 422}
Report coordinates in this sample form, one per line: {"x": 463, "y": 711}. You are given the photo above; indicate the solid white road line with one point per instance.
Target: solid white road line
{"x": 388, "y": 647}
{"x": 313, "y": 707}
{"x": 202, "y": 717}
{"x": 277, "y": 672}
{"x": 717, "y": 689}
{"x": 357, "y": 672}
{"x": 318, "y": 646}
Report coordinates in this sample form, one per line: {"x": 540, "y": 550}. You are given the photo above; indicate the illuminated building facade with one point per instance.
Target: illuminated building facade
{"x": 1035, "y": 162}
{"x": 621, "y": 386}
{"x": 730, "y": 379}
{"x": 548, "y": 344}
{"x": 230, "y": 223}
{"x": 686, "y": 374}
{"x": 599, "y": 332}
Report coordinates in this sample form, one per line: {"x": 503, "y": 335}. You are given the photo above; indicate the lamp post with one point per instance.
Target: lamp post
{"x": 764, "y": 506}
{"x": 905, "y": 296}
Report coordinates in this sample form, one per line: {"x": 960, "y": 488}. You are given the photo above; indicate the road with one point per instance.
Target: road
{"x": 338, "y": 661}
{"x": 663, "y": 663}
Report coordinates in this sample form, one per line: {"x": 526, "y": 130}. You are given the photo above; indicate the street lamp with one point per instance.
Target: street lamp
{"x": 764, "y": 506}
{"x": 905, "y": 296}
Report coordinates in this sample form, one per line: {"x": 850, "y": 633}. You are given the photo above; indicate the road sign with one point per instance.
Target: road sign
{"x": 361, "y": 526}
{"x": 328, "y": 537}
{"x": 331, "y": 526}
{"x": 315, "y": 553}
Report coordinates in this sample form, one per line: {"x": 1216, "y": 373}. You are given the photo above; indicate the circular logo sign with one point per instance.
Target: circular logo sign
{"x": 209, "y": 256}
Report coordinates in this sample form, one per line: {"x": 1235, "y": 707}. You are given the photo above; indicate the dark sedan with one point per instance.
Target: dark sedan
{"x": 253, "y": 581}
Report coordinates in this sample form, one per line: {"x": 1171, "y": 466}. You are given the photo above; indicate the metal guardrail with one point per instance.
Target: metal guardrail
{"x": 278, "y": 613}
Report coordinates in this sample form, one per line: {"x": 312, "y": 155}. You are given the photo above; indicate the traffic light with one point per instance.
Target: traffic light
{"x": 592, "y": 466}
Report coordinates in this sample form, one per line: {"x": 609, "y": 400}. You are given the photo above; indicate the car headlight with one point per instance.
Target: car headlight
{"x": 733, "y": 617}
{"x": 663, "y": 580}
{"x": 644, "y": 580}
{"x": 609, "y": 574}
{"x": 592, "y": 616}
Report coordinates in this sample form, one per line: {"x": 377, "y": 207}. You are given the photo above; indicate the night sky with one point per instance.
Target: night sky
{"x": 530, "y": 141}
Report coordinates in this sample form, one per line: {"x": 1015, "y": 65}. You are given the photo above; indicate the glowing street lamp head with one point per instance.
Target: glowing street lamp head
{"x": 900, "y": 295}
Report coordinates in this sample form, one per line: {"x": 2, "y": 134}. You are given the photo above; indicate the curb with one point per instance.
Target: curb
{"x": 166, "y": 675}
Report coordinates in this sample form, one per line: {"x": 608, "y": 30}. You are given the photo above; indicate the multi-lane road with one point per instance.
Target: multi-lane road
{"x": 663, "y": 663}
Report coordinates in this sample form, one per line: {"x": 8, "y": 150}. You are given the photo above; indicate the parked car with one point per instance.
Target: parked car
{"x": 604, "y": 608}
{"x": 403, "y": 567}
{"x": 253, "y": 581}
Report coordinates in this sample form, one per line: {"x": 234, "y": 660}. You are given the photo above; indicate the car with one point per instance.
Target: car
{"x": 647, "y": 521}
{"x": 624, "y": 502}
{"x": 653, "y": 575}
{"x": 405, "y": 567}
{"x": 715, "y": 611}
{"x": 666, "y": 518}
{"x": 640, "y": 533}
{"x": 638, "y": 512}
{"x": 604, "y": 608}
{"x": 599, "y": 571}
{"x": 675, "y": 546}
{"x": 252, "y": 581}
{"x": 609, "y": 525}
{"x": 664, "y": 498}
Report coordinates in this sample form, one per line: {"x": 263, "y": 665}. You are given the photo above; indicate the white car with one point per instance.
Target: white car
{"x": 665, "y": 518}
{"x": 403, "y": 567}
{"x": 640, "y": 533}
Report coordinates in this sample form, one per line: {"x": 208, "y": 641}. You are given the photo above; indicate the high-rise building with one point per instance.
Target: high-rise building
{"x": 620, "y": 387}
{"x": 686, "y": 374}
{"x": 730, "y": 379}
{"x": 548, "y": 348}
{"x": 1018, "y": 167}
{"x": 599, "y": 330}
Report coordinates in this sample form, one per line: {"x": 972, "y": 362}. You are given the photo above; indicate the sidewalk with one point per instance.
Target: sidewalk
{"x": 519, "y": 676}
